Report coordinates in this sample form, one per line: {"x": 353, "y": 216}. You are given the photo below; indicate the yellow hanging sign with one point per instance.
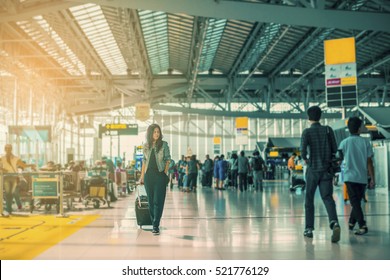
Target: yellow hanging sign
{"x": 340, "y": 51}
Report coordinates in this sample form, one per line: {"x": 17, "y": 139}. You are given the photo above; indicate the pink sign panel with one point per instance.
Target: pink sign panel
{"x": 333, "y": 82}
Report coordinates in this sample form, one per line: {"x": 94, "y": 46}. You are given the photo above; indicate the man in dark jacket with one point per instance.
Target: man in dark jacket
{"x": 208, "y": 172}
{"x": 318, "y": 146}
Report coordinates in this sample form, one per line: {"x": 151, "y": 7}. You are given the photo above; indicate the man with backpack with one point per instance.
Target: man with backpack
{"x": 258, "y": 167}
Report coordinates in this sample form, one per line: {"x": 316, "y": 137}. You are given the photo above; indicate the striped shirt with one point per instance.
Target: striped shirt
{"x": 315, "y": 146}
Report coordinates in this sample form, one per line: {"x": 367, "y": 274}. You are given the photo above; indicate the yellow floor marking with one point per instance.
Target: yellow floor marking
{"x": 25, "y": 237}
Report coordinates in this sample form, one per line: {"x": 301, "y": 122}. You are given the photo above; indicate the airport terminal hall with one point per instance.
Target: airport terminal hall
{"x": 190, "y": 130}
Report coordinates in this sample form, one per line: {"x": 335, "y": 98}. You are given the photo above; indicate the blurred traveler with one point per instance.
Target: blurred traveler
{"x": 216, "y": 171}
{"x": 222, "y": 171}
{"x": 10, "y": 164}
{"x": 171, "y": 172}
{"x": 243, "y": 170}
{"x": 258, "y": 166}
{"x": 208, "y": 171}
{"x": 233, "y": 162}
{"x": 181, "y": 165}
{"x": 192, "y": 173}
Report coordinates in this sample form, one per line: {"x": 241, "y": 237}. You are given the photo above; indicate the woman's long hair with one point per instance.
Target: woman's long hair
{"x": 149, "y": 136}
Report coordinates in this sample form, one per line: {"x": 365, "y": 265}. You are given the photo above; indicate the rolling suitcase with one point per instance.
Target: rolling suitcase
{"x": 142, "y": 212}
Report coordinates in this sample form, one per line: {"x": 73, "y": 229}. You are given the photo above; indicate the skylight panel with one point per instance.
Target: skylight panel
{"x": 91, "y": 19}
{"x": 262, "y": 44}
{"x": 58, "y": 51}
{"x": 4, "y": 73}
{"x": 215, "y": 29}
{"x": 154, "y": 26}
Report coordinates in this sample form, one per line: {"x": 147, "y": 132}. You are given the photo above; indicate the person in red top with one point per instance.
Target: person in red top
{"x": 291, "y": 162}
{"x": 291, "y": 166}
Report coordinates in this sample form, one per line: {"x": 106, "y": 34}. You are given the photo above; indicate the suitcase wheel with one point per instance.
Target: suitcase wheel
{"x": 96, "y": 204}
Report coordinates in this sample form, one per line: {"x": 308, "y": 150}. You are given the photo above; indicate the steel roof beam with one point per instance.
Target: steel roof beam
{"x": 24, "y": 13}
{"x": 264, "y": 55}
{"x": 209, "y": 98}
{"x": 378, "y": 62}
{"x": 260, "y": 12}
{"x": 135, "y": 30}
{"x": 262, "y": 115}
{"x": 83, "y": 44}
{"x": 256, "y": 33}
{"x": 385, "y": 5}
{"x": 312, "y": 40}
{"x": 199, "y": 35}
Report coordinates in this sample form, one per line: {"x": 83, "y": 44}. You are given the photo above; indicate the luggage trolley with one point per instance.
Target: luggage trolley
{"x": 96, "y": 188}
{"x": 45, "y": 188}
{"x": 132, "y": 178}
{"x": 73, "y": 183}
{"x": 121, "y": 182}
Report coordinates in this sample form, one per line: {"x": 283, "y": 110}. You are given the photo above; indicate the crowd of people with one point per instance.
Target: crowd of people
{"x": 238, "y": 172}
{"x": 318, "y": 151}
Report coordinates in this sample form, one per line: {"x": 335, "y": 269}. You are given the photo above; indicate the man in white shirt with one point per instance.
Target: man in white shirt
{"x": 10, "y": 164}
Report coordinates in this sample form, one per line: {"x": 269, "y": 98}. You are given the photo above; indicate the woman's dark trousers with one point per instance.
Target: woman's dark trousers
{"x": 156, "y": 189}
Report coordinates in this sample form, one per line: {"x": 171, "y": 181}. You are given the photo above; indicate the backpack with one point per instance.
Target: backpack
{"x": 257, "y": 166}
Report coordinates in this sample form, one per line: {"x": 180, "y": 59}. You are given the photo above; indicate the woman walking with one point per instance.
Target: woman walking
{"x": 155, "y": 165}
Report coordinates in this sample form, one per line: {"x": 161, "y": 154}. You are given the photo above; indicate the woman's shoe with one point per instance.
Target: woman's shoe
{"x": 362, "y": 230}
{"x": 351, "y": 226}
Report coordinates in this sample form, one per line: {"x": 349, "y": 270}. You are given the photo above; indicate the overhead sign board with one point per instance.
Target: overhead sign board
{"x": 217, "y": 145}
{"x": 115, "y": 129}
{"x": 339, "y": 51}
{"x": 340, "y": 72}
{"x": 242, "y": 130}
{"x": 142, "y": 111}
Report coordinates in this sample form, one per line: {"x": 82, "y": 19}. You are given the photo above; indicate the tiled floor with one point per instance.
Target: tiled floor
{"x": 220, "y": 225}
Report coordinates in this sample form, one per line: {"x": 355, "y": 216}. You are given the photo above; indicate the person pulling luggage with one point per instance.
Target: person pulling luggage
{"x": 155, "y": 165}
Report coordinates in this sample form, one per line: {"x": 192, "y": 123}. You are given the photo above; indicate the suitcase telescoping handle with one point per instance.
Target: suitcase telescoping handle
{"x": 139, "y": 197}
